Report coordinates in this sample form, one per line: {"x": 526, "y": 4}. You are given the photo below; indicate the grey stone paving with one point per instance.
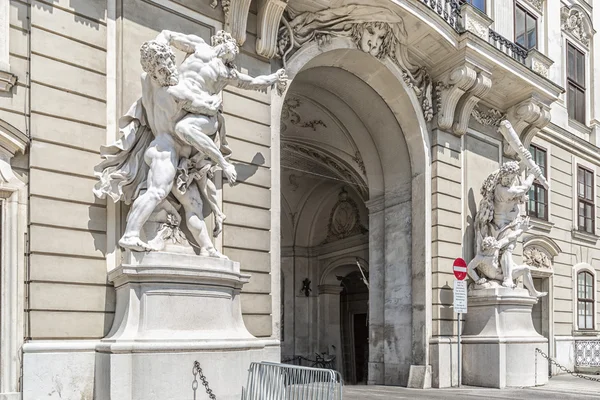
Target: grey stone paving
{"x": 563, "y": 387}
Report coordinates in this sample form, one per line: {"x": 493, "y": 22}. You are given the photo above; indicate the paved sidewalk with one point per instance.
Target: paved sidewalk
{"x": 562, "y": 387}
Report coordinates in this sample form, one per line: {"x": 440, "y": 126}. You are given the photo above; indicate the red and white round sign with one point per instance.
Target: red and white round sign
{"x": 460, "y": 269}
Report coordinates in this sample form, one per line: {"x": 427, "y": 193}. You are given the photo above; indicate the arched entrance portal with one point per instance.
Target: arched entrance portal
{"x": 355, "y": 151}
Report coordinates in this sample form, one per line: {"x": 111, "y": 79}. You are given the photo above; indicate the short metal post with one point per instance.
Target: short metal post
{"x": 459, "y": 354}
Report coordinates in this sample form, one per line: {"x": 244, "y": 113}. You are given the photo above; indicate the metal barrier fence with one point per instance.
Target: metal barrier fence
{"x": 321, "y": 360}
{"x": 271, "y": 381}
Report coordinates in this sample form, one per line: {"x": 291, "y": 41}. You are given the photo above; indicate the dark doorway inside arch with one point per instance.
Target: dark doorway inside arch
{"x": 354, "y": 305}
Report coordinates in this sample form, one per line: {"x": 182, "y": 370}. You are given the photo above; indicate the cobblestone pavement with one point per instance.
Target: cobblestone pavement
{"x": 562, "y": 387}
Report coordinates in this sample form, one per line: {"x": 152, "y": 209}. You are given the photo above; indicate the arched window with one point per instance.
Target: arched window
{"x": 585, "y": 300}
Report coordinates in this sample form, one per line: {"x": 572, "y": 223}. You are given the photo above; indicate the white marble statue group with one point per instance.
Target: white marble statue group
{"x": 173, "y": 139}
{"x": 499, "y": 223}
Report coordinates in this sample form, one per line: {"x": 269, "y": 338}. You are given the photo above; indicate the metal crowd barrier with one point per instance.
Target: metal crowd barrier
{"x": 272, "y": 381}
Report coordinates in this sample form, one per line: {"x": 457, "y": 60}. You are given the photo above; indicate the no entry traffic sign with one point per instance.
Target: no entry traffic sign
{"x": 460, "y": 269}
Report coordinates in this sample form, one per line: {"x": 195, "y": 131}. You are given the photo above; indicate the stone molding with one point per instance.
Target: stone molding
{"x": 269, "y": 17}
{"x": 7, "y": 81}
{"x": 13, "y": 208}
{"x": 330, "y": 289}
{"x": 376, "y": 204}
{"x": 584, "y": 236}
{"x": 575, "y": 21}
{"x": 457, "y": 94}
{"x": 542, "y": 225}
{"x": 12, "y": 141}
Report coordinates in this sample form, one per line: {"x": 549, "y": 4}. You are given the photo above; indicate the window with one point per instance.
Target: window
{"x": 575, "y": 83}
{"x": 538, "y": 195}
{"x": 585, "y": 300}
{"x": 525, "y": 28}
{"x": 585, "y": 200}
{"x": 479, "y": 4}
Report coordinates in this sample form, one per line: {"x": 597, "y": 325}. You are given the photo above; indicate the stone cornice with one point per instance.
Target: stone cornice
{"x": 567, "y": 140}
{"x": 12, "y": 141}
{"x": 7, "y": 81}
{"x": 330, "y": 289}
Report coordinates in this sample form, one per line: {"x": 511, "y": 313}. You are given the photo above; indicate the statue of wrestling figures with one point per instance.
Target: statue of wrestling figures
{"x": 498, "y": 225}
{"x": 172, "y": 140}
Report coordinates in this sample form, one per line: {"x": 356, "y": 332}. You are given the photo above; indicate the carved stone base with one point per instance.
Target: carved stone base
{"x": 499, "y": 340}
{"x": 174, "y": 309}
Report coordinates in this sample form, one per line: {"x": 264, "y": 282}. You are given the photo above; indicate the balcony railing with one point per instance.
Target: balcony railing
{"x": 449, "y": 10}
{"x": 510, "y": 48}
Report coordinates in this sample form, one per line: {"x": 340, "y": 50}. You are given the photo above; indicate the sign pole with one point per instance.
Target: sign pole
{"x": 459, "y": 355}
{"x": 460, "y": 303}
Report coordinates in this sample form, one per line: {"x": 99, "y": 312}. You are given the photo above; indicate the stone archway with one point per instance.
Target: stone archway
{"x": 399, "y": 193}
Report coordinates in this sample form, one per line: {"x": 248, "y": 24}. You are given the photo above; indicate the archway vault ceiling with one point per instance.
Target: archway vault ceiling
{"x": 303, "y": 157}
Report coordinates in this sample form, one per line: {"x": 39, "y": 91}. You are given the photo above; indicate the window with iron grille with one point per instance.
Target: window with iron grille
{"x": 575, "y": 83}
{"x": 585, "y": 300}
{"x": 585, "y": 200}
{"x": 538, "y": 195}
{"x": 525, "y": 28}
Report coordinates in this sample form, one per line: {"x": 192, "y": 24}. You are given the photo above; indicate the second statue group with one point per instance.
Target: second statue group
{"x": 172, "y": 140}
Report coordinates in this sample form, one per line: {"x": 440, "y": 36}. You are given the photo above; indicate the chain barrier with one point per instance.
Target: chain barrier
{"x": 197, "y": 371}
{"x": 564, "y": 369}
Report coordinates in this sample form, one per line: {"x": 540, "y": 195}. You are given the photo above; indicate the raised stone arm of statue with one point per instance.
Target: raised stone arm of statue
{"x": 173, "y": 138}
{"x": 498, "y": 223}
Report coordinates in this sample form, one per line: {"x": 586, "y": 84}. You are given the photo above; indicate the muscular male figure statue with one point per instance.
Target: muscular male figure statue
{"x": 182, "y": 109}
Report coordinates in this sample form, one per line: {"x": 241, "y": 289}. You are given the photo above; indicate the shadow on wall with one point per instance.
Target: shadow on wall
{"x": 469, "y": 235}
{"x": 97, "y": 226}
{"x": 109, "y": 306}
{"x": 447, "y": 315}
{"x": 246, "y": 171}
{"x": 90, "y": 11}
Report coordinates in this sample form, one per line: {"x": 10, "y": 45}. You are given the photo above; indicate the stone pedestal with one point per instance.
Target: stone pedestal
{"x": 173, "y": 309}
{"x": 499, "y": 340}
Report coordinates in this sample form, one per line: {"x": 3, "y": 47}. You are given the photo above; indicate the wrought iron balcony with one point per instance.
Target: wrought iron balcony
{"x": 510, "y": 48}
{"x": 449, "y": 10}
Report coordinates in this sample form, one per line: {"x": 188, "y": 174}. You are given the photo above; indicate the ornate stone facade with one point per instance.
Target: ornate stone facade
{"x": 491, "y": 117}
{"x": 537, "y": 257}
{"x": 573, "y": 21}
{"x": 374, "y": 30}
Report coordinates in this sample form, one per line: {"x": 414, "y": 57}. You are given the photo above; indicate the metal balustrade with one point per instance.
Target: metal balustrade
{"x": 449, "y": 10}
{"x": 271, "y": 381}
{"x": 506, "y": 46}
{"x": 587, "y": 353}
